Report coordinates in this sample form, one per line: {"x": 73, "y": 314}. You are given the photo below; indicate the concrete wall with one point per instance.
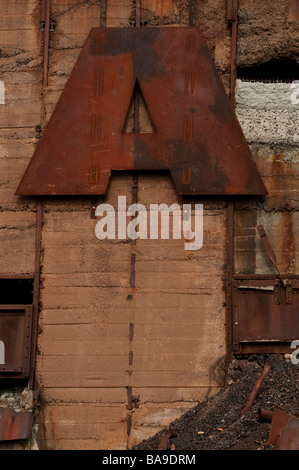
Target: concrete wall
{"x": 117, "y": 363}
{"x": 88, "y": 357}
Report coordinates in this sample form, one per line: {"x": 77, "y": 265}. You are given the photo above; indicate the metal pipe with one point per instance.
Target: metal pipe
{"x": 229, "y": 276}
{"x": 232, "y": 16}
{"x": 133, "y": 242}
{"x": 247, "y": 277}
{"x": 36, "y": 290}
{"x": 232, "y": 6}
{"x": 265, "y": 414}
{"x": 136, "y": 130}
{"x": 103, "y": 13}
{"x": 255, "y": 390}
{"x": 46, "y": 12}
{"x": 137, "y": 14}
{"x": 192, "y": 12}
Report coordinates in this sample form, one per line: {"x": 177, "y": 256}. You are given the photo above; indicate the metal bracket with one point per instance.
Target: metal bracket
{"x": 269, "y": 250}
{"x": 43, "y": 26}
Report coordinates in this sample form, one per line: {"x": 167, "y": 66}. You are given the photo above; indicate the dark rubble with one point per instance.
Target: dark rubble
{"x": 216, "y": 423}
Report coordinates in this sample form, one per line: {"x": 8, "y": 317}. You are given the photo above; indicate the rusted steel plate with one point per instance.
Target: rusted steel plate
{"x": 15, "y": 337}
{"x": 265, "y": 312}
{"x": 197, "y": 135}
{"x": 15, "y": 425}
{"x": 164, "y": 441}
{"x": 284, "y": 431}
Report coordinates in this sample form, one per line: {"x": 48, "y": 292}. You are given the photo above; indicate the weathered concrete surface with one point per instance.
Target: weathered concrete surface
{"x": 89, "y": 308}
{"x": 268, "y": 112}
{"x": 278, "y": 213}
{"x": 20, "y": 72}
{"x": 269, "y": 117}
{"x": 20, "y": 60}
{"x": 267, "y": 31}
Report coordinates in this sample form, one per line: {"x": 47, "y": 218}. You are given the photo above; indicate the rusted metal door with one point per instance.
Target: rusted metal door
{"x": 265, "y": 314}
{"x": 15, "y": 337}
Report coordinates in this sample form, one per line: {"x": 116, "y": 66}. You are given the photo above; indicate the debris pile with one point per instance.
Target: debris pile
{"x": 257, "y": 410}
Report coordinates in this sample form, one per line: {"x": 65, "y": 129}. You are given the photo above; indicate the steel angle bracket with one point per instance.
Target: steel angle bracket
{"x": 269, "y": 250}
{"x": 197, "y": 136}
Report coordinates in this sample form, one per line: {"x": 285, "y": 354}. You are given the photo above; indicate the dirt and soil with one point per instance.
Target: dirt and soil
{"x": 216, "y": 423}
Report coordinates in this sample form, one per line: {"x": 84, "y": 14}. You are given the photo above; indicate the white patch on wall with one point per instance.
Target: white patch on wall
{"x": 295, "y": 93}
{"x": 2, "y": 93}
{"x": 2, "y": 353}
{"x": 268, "y": 112}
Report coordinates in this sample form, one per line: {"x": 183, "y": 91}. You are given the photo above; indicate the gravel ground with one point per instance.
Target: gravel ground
{"x": 216, "y": 424}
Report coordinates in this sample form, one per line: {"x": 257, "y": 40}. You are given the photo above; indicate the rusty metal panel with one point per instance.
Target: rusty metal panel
{"x": 15, "y": 425}
{"x": 15, "y": 337}
{"x": 265, "y": 315}
{"x": 197, "y": 135}
{"x": 284, "y": 431}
